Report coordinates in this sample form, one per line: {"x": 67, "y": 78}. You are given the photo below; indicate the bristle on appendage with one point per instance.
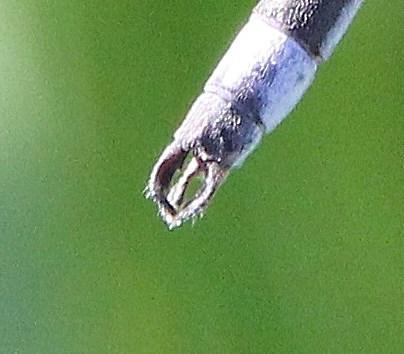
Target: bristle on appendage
{"x": 170, "y": 195}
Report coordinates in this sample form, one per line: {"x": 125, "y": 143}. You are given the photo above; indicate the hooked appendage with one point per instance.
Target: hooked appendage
{"x": 170, "y": 193}
{"x": 263, "y": 75}
{"x": 213, "y": 138}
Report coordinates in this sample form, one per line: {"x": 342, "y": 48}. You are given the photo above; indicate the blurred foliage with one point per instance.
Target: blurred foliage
{"x": 302, "y": 249}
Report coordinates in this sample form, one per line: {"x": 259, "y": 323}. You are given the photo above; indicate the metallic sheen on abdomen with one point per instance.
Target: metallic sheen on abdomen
{"x": 317, "y": 24}
{"x": 276, "y": 71}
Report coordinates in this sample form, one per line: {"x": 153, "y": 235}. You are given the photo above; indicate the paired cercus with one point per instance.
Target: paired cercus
{"x": 262, "y": 76}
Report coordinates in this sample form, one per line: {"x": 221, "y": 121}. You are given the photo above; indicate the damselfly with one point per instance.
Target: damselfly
{"x": 263, "y": 75}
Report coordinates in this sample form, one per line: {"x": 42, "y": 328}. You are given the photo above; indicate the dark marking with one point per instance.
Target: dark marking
{"x": 308, "y": 21}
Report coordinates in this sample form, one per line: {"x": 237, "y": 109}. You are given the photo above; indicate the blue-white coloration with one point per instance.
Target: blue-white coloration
{"x": 261, "y": 78}
{"x": 274, "y": 67}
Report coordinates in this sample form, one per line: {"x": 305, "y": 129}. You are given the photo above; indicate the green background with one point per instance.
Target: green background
{"x": 302, "y": 250}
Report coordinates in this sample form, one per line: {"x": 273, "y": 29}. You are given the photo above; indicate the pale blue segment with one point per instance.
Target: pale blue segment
{"x": 272, "y": 69}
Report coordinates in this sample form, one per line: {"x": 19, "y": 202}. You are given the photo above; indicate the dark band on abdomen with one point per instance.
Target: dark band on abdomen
{"x": 308, "y": 21}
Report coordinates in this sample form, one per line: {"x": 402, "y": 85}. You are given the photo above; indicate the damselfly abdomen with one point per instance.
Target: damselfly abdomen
{"x": 263, "y": 75}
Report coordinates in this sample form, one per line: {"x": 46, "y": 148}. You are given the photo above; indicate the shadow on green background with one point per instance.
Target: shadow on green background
{"x": 302, "y": 249}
